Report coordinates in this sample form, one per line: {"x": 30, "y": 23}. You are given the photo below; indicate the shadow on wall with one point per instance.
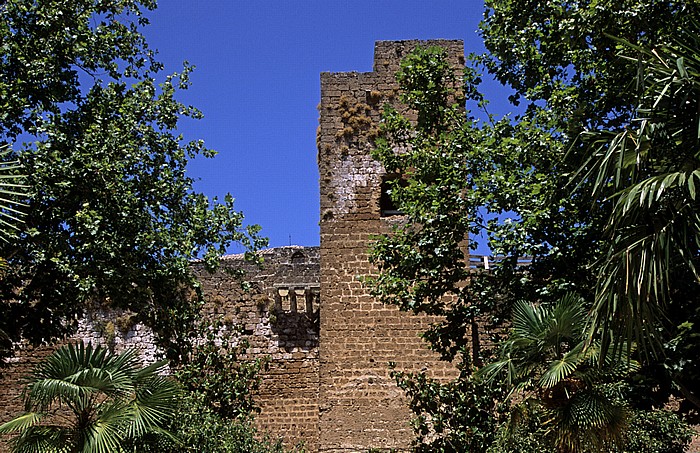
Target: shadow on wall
{"x": 295, "y": 315}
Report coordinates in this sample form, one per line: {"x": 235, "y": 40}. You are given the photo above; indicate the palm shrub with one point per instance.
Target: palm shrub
{"x": 648, "y": 431}
{"x": 555, "y": 379}
{"x": 88, "y": 399}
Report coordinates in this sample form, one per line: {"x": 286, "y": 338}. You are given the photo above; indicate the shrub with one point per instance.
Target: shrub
{"x": 216, "y": 412}
{"x": 657, "y": 431}
{"x": 201, "y": 430}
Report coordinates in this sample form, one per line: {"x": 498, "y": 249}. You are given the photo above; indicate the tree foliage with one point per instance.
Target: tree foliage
{"x": 114, "y": 218}
{"x": 600, "y": 156}
{"x": 565, "y": 54}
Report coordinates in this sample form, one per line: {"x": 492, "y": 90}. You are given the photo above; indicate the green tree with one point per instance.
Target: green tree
{"x": 114, "y": 217}
{"x": 86, "y": 399}
{"x": 218, "y": 373}
{"x": 562, "y": 56}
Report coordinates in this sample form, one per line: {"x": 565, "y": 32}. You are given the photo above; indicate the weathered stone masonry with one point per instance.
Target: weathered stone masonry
{"x": 360, "y": 406}
{"x": 328, "y": 340}
{"x": 279, "y": 317}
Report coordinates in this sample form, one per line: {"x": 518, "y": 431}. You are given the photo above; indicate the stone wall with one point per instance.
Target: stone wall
{"x": 278, "y": 315}
{"x": 12, "y": 377}
{"x": 361, "y": 407}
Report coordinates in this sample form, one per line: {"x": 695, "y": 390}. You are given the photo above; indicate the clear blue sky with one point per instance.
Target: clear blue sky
{"x": 257, "y": 83}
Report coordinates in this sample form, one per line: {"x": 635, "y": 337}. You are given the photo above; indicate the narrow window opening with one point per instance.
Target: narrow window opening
{"x": 285, "y": 302}
{"x": 387, "y": 206}
{"x": 301, "y": 300}
{"x": 298, "y": 258}
{"x": 309, "y": 302}
{"x": 293, "y": 301}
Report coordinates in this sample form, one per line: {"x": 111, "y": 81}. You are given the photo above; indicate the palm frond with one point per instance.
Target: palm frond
{"x": 44, "y": 439}
{"x": 105, "y": 433}
{"x": 21, "y": 423}
{"x": 567, "y": 319}
{"x": 548, "y": 361}
{"x": 13, "y": 194}
{"x": 152, "y": 405}
{"x": 150, "y": 370}
{"x": 44, "y": 393}
{"x": 562, "y": 368}
{"x": 503, "y": 370}
{"x": 529, "y": 321}
{"x": 635, "y": 279}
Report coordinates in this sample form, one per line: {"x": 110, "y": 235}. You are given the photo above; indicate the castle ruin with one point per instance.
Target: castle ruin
{"x": 329, "y": 341}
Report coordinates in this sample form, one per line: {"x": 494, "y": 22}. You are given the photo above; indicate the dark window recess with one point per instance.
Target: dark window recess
{"x": 298, "y": 257}
{"x": 387, "y": 206}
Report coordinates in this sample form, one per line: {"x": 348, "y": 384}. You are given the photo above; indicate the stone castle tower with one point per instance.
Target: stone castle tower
{"x": 360, "y": 406}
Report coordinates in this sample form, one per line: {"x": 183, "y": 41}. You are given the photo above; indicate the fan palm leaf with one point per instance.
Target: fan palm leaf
{"x": 151, "y": 405}
{"x": 561, "y": 368}
{"x": 21, "y": 423}
{"x": 529, "y": 321}
{"x": 105, "y": 433}
{"x": 44, "y": 439}
{"x": 113, "y": 399}
{"x": 589, "y": 422}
